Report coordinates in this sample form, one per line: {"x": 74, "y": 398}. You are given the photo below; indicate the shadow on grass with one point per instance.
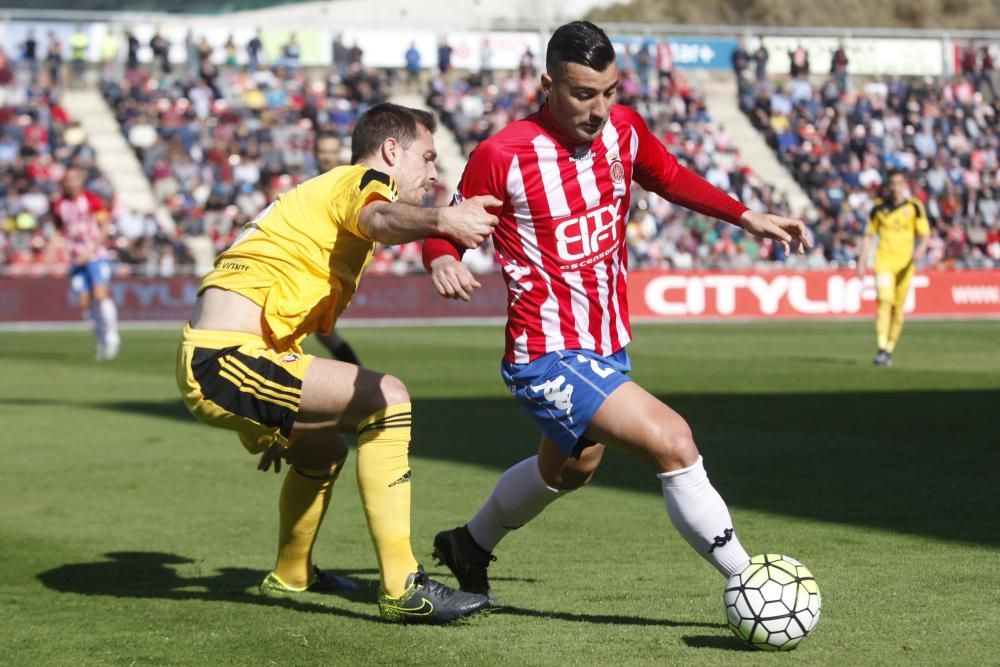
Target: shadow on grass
{"x": 723, "y": 643}
{"x": 150, "y": 574}
{"x": 602, "y": 619}
{"x": 141, "y": 574}
{"x": 856, "y": 458}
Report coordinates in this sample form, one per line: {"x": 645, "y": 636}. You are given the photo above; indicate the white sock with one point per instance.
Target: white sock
{"x": 93, "y": 316}
{"x": 109, "y": 318}
{"x": 700, "y": 515}
{"x": 519, "y": 496}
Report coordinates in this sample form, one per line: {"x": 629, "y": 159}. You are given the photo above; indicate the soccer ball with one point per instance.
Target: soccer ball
{"x": 773, "y": 603}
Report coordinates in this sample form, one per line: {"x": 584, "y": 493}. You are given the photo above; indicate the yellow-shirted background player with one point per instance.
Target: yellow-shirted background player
{"x": 292, "y": 272}
{"x": 899, "y": 221}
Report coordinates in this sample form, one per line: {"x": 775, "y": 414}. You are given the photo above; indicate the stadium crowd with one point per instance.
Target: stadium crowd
{"x": 840, "y": 142}
{"x": 223, "y": 133}
{"x": 38, "y": 142}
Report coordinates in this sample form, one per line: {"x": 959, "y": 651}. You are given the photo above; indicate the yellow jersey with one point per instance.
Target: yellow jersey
{"x": 302, "y": 257}
{"x": 897, "y": 228}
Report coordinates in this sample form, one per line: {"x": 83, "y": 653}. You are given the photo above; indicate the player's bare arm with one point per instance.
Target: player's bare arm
{"x": 791, "y": 233}
{"x": 863, "y": 255}
{"x": 469, "y": 222}
{"x": 923, "y": 242}
{"x": 452, "y": 279}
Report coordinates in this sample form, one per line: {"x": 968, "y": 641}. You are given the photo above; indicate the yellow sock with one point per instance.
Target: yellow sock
{"x": 384, "y": 481}
{"x": 895, "y": 328}
{"x": 302, "y": 505}
{"x": 882, "y": 323}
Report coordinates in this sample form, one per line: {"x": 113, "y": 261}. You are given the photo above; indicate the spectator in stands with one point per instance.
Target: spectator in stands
{"x": 760, "y": 58}
{"x": 412, "y": 59}
{"x": 357, "y": 55}
{"x": 291, "y": 52}
{"x": 231, "y": 52}
{"x": 984, "y": 76}
{"x": 6, "y": 71}
{"x": 79, "y": 47}
{"x": 444, "y": 57}
{"x": 54, "y": 59}
{"x": 192, "y": 56}
{"x": 799, "y": 61}
{"x": 838, "y": 68}
{"x": 341, "y": 54}
{"x": 109, "y": 54}
{"x": 29, "y": 53}
{"x": 486, "y": 62}
{"x": 254, "y": 49}
{"x": 664, "y": 66}
{"x": 526, "y": 66}
{"x": 132, "y": 61}
{"x": 160, "y": 46}
{"x": 968, "y": 62}
{"x": 740, "y": 60}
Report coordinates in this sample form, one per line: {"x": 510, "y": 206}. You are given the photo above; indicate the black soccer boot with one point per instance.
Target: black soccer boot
{"x": 428, "y": 601}
{"x": 467, "y": 561}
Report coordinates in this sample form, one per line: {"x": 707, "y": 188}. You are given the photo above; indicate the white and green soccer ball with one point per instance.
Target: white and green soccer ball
{"x": 773, "y": 603}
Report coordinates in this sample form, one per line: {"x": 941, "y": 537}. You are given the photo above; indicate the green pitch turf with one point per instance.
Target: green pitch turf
{"x": 130, "y": 535}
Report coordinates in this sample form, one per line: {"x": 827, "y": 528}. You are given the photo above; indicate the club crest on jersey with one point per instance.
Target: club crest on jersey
{"x": 617, "y": 171}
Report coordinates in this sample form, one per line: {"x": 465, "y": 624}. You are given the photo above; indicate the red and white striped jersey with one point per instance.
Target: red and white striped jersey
{"x": 561, "y": 236}
{"x": 78, "y": 216}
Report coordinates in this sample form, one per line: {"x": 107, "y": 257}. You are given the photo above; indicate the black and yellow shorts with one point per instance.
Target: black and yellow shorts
{"x": 235, "y": 381}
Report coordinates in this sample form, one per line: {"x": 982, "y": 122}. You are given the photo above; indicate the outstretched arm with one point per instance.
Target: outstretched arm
{"x": 658, "y": 171}
{"x": 469, "y": 222}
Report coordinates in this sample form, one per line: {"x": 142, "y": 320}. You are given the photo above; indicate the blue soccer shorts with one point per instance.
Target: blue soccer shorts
{"x": 84, "y": 277}
{"x": 563, "y": 391}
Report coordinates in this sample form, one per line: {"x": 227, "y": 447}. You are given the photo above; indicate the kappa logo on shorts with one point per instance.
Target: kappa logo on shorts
{"x": 556, "y": 394}
{"x": 289, "y": 358}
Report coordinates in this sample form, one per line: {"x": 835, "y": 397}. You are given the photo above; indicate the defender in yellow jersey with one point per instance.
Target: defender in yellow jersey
{"x": 898, "y": 221}
{"x": 292, "y": 272}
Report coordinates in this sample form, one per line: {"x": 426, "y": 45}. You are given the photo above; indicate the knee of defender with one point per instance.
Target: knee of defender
{"x": 394, "y": 391}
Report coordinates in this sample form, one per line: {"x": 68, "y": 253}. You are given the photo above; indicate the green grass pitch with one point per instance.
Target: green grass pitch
{"x": 131, "y": 535}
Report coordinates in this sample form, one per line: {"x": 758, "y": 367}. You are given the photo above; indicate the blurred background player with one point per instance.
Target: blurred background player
{"x": 898, "y": 220}
{"x": 293, "y": 271}
{"x": 565, "y": 175}
{"x": 85, "y": 221}
{"x": 328, "y": 149}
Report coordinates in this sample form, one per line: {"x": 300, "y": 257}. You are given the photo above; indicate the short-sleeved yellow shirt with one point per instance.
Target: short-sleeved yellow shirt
{"x": 301, "y": 259}
{"x": 897, "y": 228}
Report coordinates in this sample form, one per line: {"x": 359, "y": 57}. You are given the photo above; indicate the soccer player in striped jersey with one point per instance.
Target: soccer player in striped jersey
{"x": 240, "y": 366}
{"x": 85, "y": 221}
{"x": 564, "y": 174}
